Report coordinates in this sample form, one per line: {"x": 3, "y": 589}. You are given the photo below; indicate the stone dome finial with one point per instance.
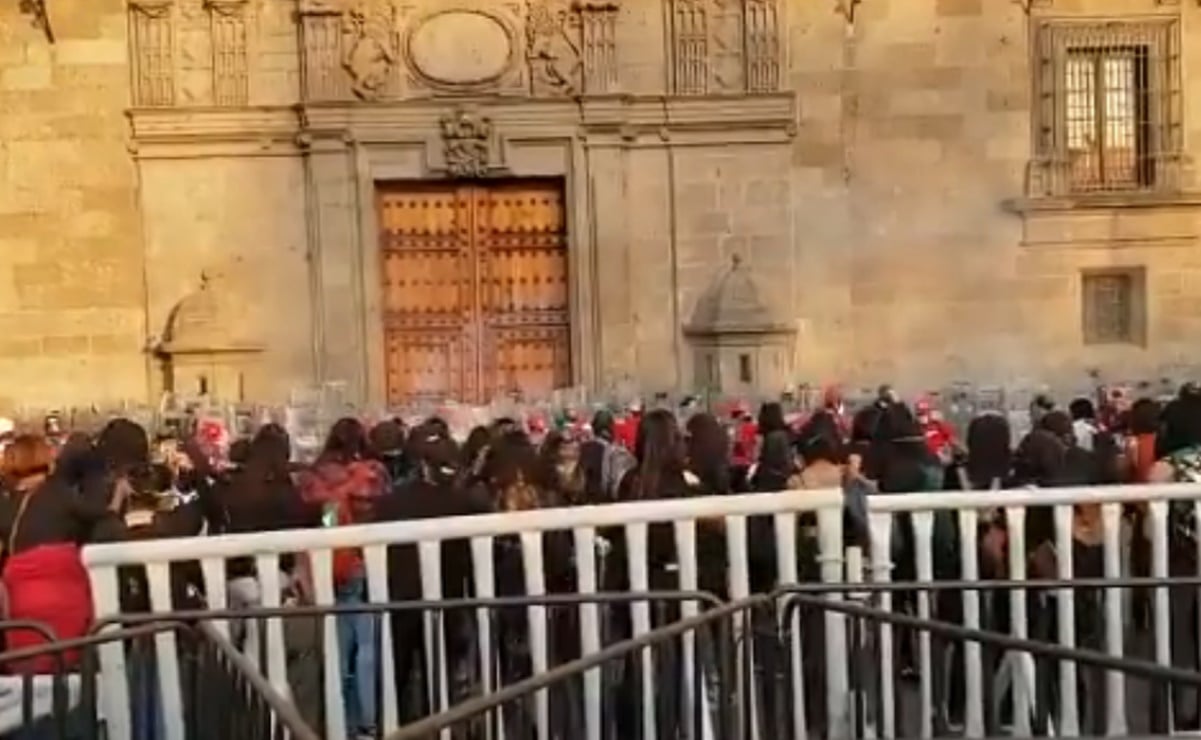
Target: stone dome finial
{"x": 732, "y": 305}
{"x": 208, "y": 320}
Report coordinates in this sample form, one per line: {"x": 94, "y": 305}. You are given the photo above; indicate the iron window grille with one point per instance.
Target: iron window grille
{"x": 1112, "y": 307}
{"x": 1107, "y": 107}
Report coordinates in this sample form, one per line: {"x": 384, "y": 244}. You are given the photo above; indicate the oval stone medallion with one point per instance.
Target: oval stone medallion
{"x": 460, "y": 47}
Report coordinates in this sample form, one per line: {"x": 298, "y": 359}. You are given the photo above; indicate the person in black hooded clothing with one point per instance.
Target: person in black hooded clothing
{"x": 432, "y": 491}
{"x": 388, "y": 441}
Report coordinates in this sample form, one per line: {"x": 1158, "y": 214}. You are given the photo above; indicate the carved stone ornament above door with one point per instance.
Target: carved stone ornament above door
{"x": 468, "y": 144}
{"x": 387, "y": 49}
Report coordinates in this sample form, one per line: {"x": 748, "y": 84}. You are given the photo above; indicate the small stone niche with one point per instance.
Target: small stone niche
{"x": 207, "y": 350}
{"x": 739, "y": 345}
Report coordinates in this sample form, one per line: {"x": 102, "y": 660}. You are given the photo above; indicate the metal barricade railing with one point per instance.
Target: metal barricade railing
{"x": 912, "y": 537}
{"x": 432, "y": 653}
{"x": 571, "y": 540}
{"x": 745, "y": 682}
{"x": 709, "y": 697}
{"x": 228, "y": 697}
{"x": 1023, "y": 685}
{"x": 724, "y": 671}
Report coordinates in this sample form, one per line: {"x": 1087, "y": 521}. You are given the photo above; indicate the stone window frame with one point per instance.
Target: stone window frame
{"x": 1054, "y": 40}
{"x": 1098, "y": 285}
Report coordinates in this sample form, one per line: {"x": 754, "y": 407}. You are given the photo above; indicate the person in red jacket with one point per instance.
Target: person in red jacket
{"x": 42, "y": 518}
{"x": 744, "y": 449}
{"x": 346, "y": 482}
{"x": 625, "y": 428}
{"x": 940, "y": 436}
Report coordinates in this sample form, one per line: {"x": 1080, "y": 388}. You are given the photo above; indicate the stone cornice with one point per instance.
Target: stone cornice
{"x": 1101, "y": 202}
{"x": 624, "y": 117}
{"x": 1029, "y": 6}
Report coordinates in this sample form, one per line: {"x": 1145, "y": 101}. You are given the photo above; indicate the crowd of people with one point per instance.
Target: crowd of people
{"x": 62, "y": 493}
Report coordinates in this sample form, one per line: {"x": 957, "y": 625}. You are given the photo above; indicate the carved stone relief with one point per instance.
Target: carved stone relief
{"x": 194, "y": 54}
{"x": 726, "y": 28}
{"x": 227, "y": 22}
{"x": 726, "y": 46}
{"x": 152, "y": 47}
{"x": 468, "y": 140}
{"x": 553, "y": 48}
{"x": 384, "y": 48}
{"x": 369, "y": 47}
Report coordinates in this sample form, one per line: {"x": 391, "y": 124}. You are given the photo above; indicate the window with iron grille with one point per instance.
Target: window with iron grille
{"x": 1113, "y": 306}
{"x": 1108, "y": 107}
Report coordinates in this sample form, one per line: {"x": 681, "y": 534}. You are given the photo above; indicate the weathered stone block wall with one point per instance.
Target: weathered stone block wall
{"x": 72, "y": 309}
{"x": 915, "y": 132}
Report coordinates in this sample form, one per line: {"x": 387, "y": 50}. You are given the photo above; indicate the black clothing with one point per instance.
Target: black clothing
{"x": 420, "y": 499}
{"x": 249, "y": 503}
{"x": 54, "y": 514}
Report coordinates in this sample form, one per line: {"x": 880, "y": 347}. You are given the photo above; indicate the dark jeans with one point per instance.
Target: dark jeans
{"x": 46, "y": 728}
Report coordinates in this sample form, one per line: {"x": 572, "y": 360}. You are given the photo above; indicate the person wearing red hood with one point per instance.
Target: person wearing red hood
{"x": 625, "y": 428}
{"x": 834, "y": 404}
{"x": 745, "y": 433}
{"x": 940, "y": 436}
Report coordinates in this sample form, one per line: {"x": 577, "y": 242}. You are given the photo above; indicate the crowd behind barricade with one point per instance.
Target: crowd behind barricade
{"x": 64, "y": 489}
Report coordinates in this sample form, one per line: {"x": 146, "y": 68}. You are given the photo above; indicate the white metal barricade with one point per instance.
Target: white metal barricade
{"x": 686, "y": 516}
{"x": 1013, "y": 507}
{"x": 723, "y": 513}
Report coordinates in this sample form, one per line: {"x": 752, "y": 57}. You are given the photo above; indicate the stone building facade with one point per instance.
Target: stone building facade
{"x": 463, "y": 197}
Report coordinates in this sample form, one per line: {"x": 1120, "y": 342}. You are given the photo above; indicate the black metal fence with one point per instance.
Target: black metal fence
{"x": 455, "y": 669}
{"x": 55, "y": 686}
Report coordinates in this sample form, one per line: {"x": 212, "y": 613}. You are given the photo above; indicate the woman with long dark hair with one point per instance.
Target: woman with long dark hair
{"x": 709, "y": 453}
{"x": 260, "y": 496}
{"x": 662, "y": 463}
{"x": 776, "y": 469}
{"x": 515, "y": 476}
{"x": 561, "y": 473}
{"x": 661, "y": 473}
{"x": 988, "y": 463}
{"x": 771, "y": 418}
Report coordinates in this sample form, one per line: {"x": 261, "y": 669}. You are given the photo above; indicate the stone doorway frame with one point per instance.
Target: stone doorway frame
{"x": 368, "y": 146}
{"x": 342, "y": 147}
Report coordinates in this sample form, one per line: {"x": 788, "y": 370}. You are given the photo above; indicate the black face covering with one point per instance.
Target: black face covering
{"x": 439, "y": 475}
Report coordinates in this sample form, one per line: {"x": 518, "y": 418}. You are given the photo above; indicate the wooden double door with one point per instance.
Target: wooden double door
{"x": 475, "y": 289}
